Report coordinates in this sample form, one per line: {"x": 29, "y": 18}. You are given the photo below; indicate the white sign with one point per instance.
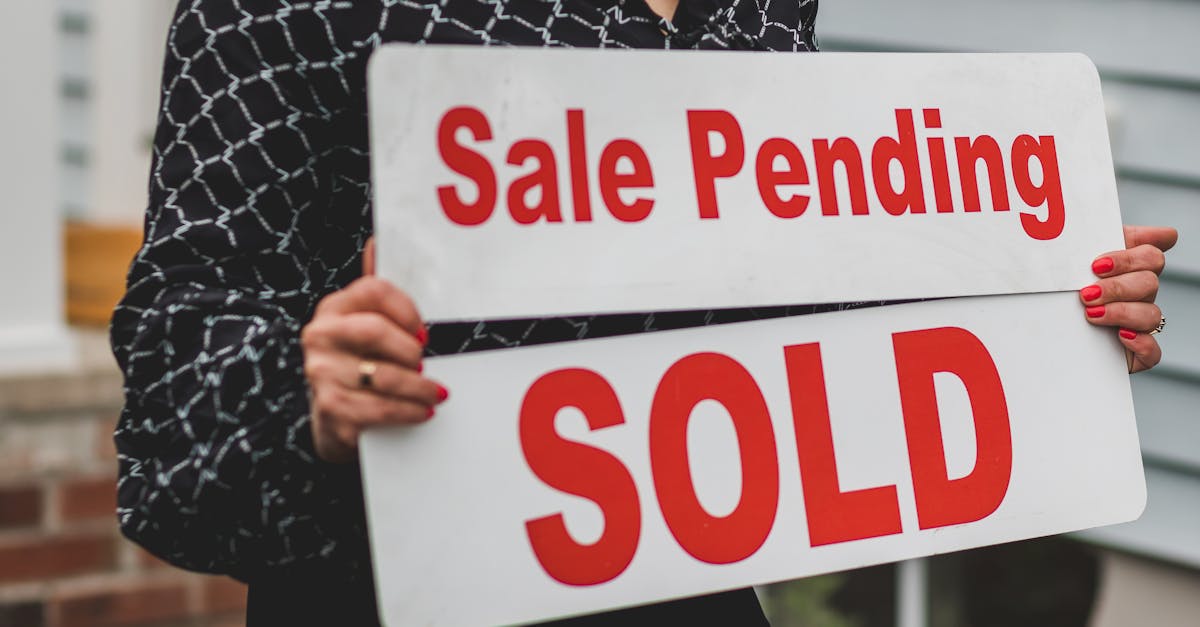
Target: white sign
{"x": 517, "y": 182}
{"x": 573, "y": 478}
{"x": 576, "y": 477}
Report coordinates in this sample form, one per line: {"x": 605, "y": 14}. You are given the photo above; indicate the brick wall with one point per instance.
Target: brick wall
{"x": 63, "y": 562}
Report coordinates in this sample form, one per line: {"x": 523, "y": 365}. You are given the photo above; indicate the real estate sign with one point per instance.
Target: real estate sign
{"x": 589, "y": 475}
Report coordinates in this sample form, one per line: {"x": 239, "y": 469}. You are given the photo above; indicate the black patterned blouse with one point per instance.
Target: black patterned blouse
{"x": 259, "y": 207}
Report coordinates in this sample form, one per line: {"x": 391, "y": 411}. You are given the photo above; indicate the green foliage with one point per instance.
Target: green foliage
{"x": 807, "y": 603}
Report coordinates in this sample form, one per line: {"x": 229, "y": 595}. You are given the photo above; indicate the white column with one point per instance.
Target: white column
{"x": 127, "y": 43}
{"x": 33, "y": 335}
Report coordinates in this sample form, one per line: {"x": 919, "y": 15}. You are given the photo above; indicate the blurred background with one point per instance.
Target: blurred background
{"x": 80, "y": 86}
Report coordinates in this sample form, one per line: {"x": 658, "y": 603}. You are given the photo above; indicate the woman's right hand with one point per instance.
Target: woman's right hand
{"x": 362, "y": 359}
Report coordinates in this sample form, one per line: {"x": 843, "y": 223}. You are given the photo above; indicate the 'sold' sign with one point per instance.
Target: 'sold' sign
{"x": 602, "y": 473}
{"x": 583, "y": 476}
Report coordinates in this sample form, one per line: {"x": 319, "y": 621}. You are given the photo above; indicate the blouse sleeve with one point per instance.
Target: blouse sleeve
{"x": 216, "y": 463}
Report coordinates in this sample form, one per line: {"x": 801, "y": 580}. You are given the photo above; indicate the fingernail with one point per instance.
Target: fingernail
{"x": 1091, "y": 292}
{"x": 423, "y": 336}
{"x": 1127, "y": 334}
{"x": 442, "y": 393}
{"x": 1102, "y": 265}
{"x": 429, "y": 413}
{"x": 420, "y": 367}
{"x": 1095, "y": 312}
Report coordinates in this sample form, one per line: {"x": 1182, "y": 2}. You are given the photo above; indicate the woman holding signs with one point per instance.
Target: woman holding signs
{"x": 255, "y": 343}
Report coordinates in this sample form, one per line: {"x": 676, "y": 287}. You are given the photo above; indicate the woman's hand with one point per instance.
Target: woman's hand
{"x": 362, "y": 359}
{"x": 1124, "y": 295}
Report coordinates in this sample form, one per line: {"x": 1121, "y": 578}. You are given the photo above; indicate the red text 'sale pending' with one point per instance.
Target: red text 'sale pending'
{"x": 778, "y": 164}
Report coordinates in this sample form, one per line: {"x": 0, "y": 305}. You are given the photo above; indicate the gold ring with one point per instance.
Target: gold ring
{"x": 1162, "y": 323}
{"x": 366, "y": 373}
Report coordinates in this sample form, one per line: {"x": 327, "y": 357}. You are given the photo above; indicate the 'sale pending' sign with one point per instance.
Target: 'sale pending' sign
{"x": 643, "y": 181}
{"x": 583, "y": 476}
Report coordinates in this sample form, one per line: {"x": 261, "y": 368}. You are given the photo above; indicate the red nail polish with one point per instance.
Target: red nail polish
{"x": 442, "y": 393}
{"x": 429, "y": 413}
{"x": 1102, "y": 265}
{"x": 1127, "y": 334}
{"x": 423, "y": 336}
{"x": 420, "y": 367}
{"x": 1095, "y": 312}
{"x": 1091, "y": 292}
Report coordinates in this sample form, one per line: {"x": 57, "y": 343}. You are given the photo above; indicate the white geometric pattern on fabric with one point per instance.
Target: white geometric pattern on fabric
{"x": 259, "y": 207}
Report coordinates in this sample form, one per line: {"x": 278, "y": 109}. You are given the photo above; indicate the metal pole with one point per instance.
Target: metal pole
{"x": 912, "y": 593}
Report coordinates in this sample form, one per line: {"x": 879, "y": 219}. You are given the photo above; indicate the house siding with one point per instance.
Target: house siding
{"x": 1148, "y": 55}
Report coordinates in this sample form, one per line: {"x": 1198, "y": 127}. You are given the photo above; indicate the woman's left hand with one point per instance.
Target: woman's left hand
{"x": 1124, "y": 295}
